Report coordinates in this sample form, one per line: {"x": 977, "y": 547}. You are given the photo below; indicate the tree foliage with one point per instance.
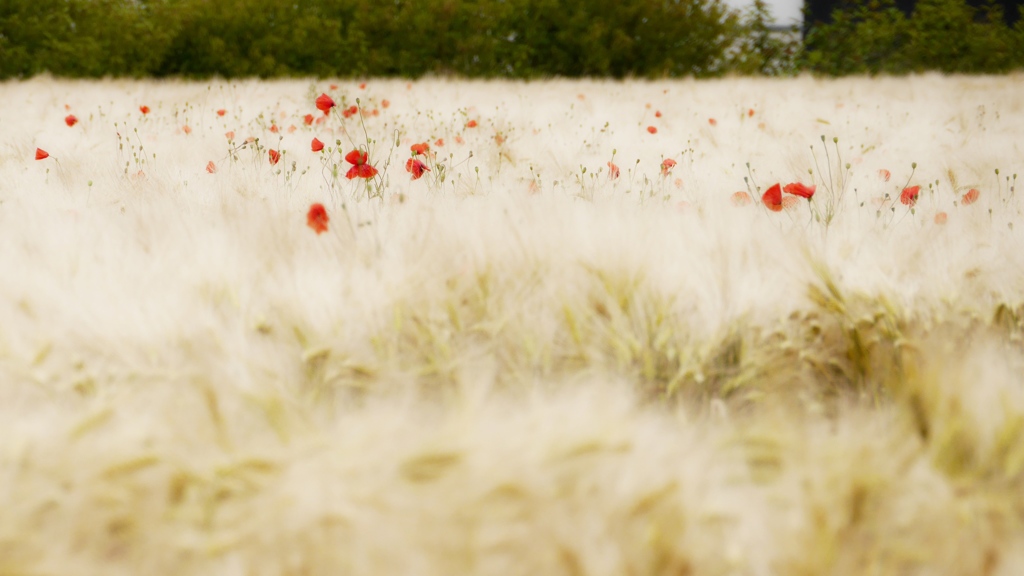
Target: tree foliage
{"x": 488, "y": 38}
{"x": 874, "y": 36}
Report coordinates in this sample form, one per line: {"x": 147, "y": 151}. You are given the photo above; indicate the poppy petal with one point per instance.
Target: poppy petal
{"x": 909, "y": 195}
{"x": 740, "y": 198}
{"x": 324, "y": 103}
{"x": 317, "y": 218}
{"x": 666, "y": 165}
{"x": 772, "y": 198}
{"x": 366, "y": 171}
{"x": 356, "y": 157}
{"x": 799, "y": 189}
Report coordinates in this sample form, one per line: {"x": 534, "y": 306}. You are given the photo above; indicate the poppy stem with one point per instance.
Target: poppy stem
{"x": 378, "y": 184}
{"x": 750, "y": 173}
{"x": 913, "y": 168}
{"x": 828, "y": 164}
{"x": 60, "y": 173}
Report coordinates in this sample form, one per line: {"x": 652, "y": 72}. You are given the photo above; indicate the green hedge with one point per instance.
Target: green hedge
{"x": 349, "y": 38}
{"x": 873, "y": 36}
{"x": 485, "y": 38}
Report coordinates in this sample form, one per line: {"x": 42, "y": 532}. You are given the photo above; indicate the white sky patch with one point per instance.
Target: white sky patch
{"x": 785, "y": 12}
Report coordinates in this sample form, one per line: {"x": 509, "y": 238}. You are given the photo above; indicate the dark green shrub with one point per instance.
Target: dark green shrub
{"x": 951, "y": 36}
{"x": 349, "y": 38}
{"x": 489, "y": 38}
{"x": 84, "y": 37}
{"x": 865, "y": 36}
{"x": 873, "y": 36}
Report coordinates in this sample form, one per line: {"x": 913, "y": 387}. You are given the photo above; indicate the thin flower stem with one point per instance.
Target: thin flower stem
{"x": 841, "y": 168}
{"x": 828, "y": 164}
{"x": 818, "y": 168}
{"x": 750, "y": 173}
{"x": 913, "y": 168}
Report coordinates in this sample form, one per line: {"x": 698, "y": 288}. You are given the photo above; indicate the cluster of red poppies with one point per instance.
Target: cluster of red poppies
{"x": 422, "y": 158}
{"x": 773, "y": 199}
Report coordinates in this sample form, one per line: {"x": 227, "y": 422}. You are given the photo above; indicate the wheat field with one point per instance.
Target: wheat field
{"x": 517, "y": 363}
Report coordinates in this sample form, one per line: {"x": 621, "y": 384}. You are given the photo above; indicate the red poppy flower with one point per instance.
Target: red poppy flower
{"x": 772, "y": 198}
{"x": 471, "y": 124}
{"x": 799, "y": 189}
{"x": 308, "y": 119}
{"x": 657, "y": 113}
{"x": 144, "y": 109}
{"x": 334, "y": 87}
{"x": 316, "y": 145}
{"x": 789, "y": 202}
{"x": 350, "y": 111}
{"x": 750, "y": 113}
{"x": 740, "y": 198}
{"x": 221, "y": 112}
{"x": 324, "y": 103}
{"x": 70, "y": 120}
{"x": 666, "y": 165}
{"x": 439, "y": 142}
{"x": 712, "y": 121}
{"x": 613, "y": 171}
{"x": 421, "y": 148}
{"x": 884, "y": 174}
{"x": 362, "y": 86}
{"x": 292, "y": 128}
{"x": 41, "y": 154}
{"x": 211, "y": 167}
{"x": 317, "y": 218}
{"x": 970, "y": 197}
{"x": 385, "y": 103}
{"x": 652, "y": 130}
{"x": 186, "y": 129}
{"x": 274, "y": 128}
{"x": 275, "y": 157}
{"x": 416, "y": 168}
{"x": 459, "y": 140}
{"x": 909, "y": 195}
{"x": 359, "y": 169}
{"x": 230, "y": 134}
{"x": 941, "y": 218}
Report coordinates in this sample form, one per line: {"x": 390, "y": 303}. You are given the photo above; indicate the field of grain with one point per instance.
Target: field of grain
{"x": 580, "y": 343}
